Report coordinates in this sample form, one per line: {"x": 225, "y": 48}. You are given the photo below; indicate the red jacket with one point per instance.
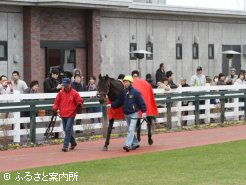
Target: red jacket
{"x": 67, "y": 102}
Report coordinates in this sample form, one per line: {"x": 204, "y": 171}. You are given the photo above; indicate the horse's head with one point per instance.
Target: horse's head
{"x": 103, "y": 87}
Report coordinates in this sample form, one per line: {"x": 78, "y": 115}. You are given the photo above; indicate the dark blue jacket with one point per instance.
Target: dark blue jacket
{"x": 131, "y": 100}
{"x": 78, "y": 87}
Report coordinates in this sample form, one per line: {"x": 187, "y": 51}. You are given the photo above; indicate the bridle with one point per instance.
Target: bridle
{"x": 104, "y": 93}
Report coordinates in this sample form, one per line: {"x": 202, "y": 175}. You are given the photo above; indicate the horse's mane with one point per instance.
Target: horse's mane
{"x": 110, "y": 78}
{"x": 106, "y": 76}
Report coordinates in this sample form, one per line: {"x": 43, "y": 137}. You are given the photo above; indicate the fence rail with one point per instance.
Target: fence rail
{"x": 230, "y": 101}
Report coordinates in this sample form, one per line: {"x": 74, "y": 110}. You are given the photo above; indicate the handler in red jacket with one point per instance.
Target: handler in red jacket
{"x": 67, "y": 101}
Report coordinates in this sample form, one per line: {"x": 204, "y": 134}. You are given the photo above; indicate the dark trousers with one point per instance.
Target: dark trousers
{"x": 68, "y": 128}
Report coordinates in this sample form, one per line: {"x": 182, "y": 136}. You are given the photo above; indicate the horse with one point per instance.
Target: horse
{"x": 111, "y": 88}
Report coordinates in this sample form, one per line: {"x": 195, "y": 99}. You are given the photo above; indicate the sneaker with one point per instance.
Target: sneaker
{"x": 72, "y": 147}
{"x": 126, "y": 148}
{"x": 64, "y": 149}
{"x": 135, "y": 147}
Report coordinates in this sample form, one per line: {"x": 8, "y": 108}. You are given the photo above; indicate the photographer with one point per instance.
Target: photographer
{"x": 6, "y": 87}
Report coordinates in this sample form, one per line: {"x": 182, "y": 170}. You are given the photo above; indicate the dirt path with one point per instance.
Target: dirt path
{"x": 51, "y": 155}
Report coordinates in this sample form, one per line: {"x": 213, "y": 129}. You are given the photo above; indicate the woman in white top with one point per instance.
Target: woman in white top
{"x": 163, "y": 84}
{"x": 241, "y": 79}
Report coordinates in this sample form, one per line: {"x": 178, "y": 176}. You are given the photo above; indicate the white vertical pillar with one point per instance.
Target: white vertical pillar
{"x": 179, "y": 113}
{"x": 236, "y": 108}
{"x": 207, "y": 108}
{"x": 17, "y": 119}
{"x": 179, "y": 108}
{"x": 207, "y": 111}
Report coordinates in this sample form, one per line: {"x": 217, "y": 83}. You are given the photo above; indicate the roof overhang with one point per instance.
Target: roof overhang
{"x": 127, "y": 6}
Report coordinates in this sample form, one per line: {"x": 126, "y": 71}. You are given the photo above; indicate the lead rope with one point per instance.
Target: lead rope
{"x": 52, "y": 123}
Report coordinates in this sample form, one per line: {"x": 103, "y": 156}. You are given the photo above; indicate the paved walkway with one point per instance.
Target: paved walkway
{"x": 85, "y": 151}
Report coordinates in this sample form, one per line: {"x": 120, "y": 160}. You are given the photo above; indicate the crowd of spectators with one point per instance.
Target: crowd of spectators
{"x": 164, "y": 79}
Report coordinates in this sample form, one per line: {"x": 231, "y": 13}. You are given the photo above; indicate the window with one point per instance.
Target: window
{"x": 3, "y": 51}
{"x": 149, "y": 47}
{"x": 195, "y": 51}
{"x": 178, "y": 51}
{"x": 211, "y": 51}
{"x": 62, "y": 59}
{"x": 133, "y": 47}
{"x": 70, "y": 56}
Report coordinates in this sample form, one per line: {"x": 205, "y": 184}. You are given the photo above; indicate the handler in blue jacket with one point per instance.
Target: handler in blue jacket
{"x": 132, "y": 101}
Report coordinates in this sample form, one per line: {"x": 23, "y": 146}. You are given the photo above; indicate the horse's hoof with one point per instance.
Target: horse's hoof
{"x": 105, "y": 148}
{"x": 150, "y": 141}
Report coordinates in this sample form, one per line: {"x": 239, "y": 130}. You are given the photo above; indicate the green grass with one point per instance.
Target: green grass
{"x": 223, "y": 164}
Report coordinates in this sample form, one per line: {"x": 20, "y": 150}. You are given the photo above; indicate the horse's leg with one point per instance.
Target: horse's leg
{"x": 138, "y": 130}
{"x": 110, "y": 127}
{"x": 150, "y": 141}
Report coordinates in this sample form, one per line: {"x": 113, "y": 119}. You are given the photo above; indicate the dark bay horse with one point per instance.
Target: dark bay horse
{"x": 111, "y": 88}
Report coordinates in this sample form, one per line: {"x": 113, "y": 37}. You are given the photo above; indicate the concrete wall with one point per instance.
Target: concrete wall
{"x": 11, "y": 30}
{"x": 118, "y": 28}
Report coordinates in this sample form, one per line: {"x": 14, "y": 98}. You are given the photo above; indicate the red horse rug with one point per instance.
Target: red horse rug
{"x": 147, "y": 93}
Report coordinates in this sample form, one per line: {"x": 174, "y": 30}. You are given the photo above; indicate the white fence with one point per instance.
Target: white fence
{"x": 233, "y": 107}
{"x": 211, "y": 110}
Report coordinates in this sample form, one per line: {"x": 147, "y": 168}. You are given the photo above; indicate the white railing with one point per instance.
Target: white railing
{"x": 15, "y": 118}
{"x": 177, "y": 111}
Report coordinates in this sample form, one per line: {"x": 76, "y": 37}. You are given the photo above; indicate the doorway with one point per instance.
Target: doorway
{"x": 236, "y": 60}
{"x": 62, "y": 59}
{"x": 65, "y": 55}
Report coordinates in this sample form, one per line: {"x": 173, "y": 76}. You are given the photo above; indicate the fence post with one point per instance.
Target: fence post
{"x": 207, "y": 109}
{"x": 179, "y": 114}
{"x": 33, "y": 123}
{"x": 222, "y": 103}
{"x": 236, "y": 108}
{"x": 244, "y": 98}
{"x": 16, "y": 116}
{"x": 197, "y": 110}
{"x": 169, "y": 112}
{"x": 105, "y": 119}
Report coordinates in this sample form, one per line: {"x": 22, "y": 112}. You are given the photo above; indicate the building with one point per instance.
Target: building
{"x": 97, "y": 36}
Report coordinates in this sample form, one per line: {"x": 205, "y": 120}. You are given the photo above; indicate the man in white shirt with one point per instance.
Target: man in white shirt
{"x": 18, "y": 84}
{"x": 231, "y": 79}
{"x": 198, "y": 79}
